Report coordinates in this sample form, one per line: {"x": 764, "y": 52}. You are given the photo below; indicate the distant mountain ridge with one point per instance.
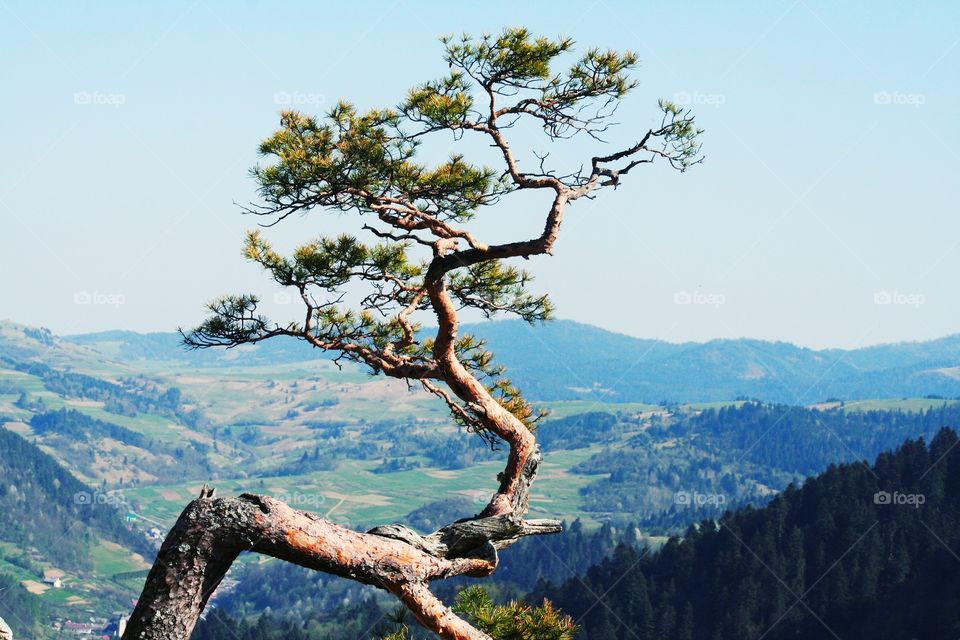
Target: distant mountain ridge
{"x": 130, "y": 346}
{"x": 566, "y": 360}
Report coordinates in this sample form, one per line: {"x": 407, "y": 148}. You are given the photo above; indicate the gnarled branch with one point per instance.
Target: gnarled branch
{"x": 365, "y": 163}
{"x": 212, "y": 532}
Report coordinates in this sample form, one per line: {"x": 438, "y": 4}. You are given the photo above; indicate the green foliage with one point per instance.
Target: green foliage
{"x": 515, "y": 63}
{"x": 512, "y": 58}
{"x": 832, "y": 558}
{"x": 349, "y": 161}
{"x": 232, "y": 320}
{"x": 683, "y": 146}
{"x": 330, "y": 263}
{"x": 494, "y": 286}
{"x": 397, "y": 621}
{"x": 444, "y": 103}
{"x": 512, "y": 621}
{"x": 365, "y": 162}
{"x": 515, "y": 620}
{"x": 25, "y": 613}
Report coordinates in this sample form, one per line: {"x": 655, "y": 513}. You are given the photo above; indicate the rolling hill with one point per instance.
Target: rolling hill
{"x": 55, "y": 528}
{"x": 565, "y": 360}
{"x": 860, "y": 551}
{"x": 148, "y": 422}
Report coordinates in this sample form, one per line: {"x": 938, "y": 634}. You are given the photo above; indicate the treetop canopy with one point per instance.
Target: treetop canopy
{"x": 423, "y": 258}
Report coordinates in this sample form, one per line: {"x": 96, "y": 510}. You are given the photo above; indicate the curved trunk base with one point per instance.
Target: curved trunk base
{"x": 212, "y": 532}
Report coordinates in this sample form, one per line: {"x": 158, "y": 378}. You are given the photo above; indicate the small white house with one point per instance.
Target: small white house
{"x": 53, "y": 578}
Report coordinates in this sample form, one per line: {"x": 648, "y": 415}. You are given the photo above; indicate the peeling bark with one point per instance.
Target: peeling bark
{"x": 434, "y": 615}
{"x": 212, "y": 532}
{"x": 524, "y": 457}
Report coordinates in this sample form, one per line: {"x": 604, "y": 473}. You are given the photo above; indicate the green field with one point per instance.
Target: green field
{"x": 903, "y": 404}
{"x": 109, "y": 559}
{"x": 573, "y": 407}
{"x": 93, "y": 589}
{"x": 353, "y": 496}
{"x": 706, "y": 406}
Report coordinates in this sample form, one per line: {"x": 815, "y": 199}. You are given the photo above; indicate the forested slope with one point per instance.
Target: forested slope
{"x": 858, "y": 552}
{"x": 42, "y": 506}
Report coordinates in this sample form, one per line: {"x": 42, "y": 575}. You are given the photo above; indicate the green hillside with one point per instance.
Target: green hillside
{"x": 147, "y": 430}
{"x": 860, "y": 551}
{"x": 564, "y": 360}
{"x": 53, "y": 526}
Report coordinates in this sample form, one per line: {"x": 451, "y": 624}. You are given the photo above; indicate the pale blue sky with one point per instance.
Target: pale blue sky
{"x": 830, "y": 183}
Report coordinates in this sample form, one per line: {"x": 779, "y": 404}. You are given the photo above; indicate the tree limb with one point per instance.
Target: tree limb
{"x": 212, "y": 532}
{"x": 365, "y": 163}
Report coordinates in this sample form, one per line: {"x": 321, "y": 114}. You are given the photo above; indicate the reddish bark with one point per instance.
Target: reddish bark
{"x": 212, "y": 532}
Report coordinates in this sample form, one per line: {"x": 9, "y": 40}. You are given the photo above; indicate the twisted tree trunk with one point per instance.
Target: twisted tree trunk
{"x": 212, "y": 532}
{"x": 363, "y": 163}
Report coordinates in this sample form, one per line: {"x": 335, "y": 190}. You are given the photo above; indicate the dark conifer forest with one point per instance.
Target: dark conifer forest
{"x": 859, "y": 551}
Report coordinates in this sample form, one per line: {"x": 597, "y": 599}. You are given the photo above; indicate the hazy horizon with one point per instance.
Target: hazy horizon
{"x": 623, "y": 333}
{"x": 824, "y": 215}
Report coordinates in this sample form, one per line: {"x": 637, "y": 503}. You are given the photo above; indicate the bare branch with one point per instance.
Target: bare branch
{"x": 365, "y": 163}
{"x": 212, "y": 532}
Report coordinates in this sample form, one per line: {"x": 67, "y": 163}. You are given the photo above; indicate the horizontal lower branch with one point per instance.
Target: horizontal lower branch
{"x": 471, "y": 538}
{"x": 212, "y": 532}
